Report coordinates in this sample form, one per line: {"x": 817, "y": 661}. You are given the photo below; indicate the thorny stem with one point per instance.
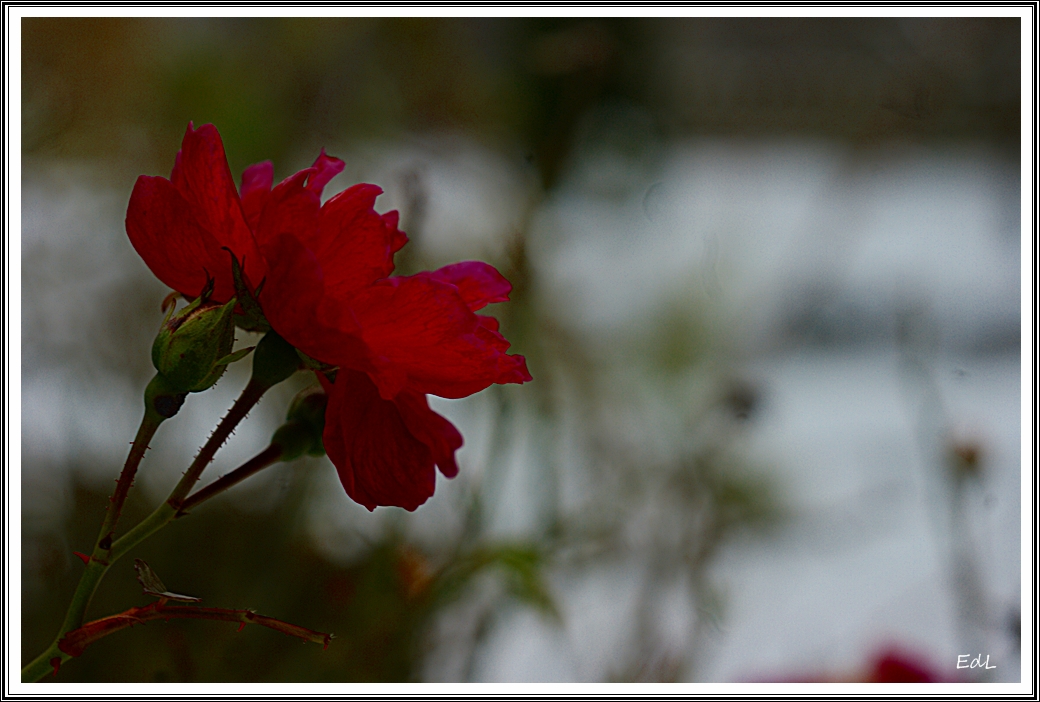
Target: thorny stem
{"x": 165, "y": 513}
{"x": 271, "y": 454}
{"x": 102, "y": 557}
{"x": 245, "y": 402}
{"x": 169, "y": 510}
{"x": 149, "y": 424}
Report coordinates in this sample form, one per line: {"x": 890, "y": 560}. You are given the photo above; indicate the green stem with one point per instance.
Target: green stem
{"x": 160, "y": 403}
{"x": 155, "y": 521}
{"x": 273, "y": 361}
{"x": 168, "y": 510}
{"x": 48, "y": 661}
{"x": 107, "y": 552}
{"x": 44, "y": 663}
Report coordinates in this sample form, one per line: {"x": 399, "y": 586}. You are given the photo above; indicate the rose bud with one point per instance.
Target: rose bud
{"x": 193, "y": 347}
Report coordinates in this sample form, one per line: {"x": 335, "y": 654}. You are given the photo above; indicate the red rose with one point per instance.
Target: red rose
{"x": 326, "y": 290}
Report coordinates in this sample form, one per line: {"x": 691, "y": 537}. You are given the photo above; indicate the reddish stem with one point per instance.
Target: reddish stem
{"x": 77, "y": 640}
{"x": 149, "y": 424}
{"x": 249, "y": 397}
{"x": 254, "y": 465}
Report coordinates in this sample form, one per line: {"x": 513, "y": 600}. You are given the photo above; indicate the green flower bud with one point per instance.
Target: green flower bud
{"x": 305, "y": 422}
{"x": 309, "y": 407}
{"x": 193, "y": 347}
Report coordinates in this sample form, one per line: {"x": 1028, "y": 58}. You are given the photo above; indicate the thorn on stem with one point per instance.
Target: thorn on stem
{"x": 56, "y": 663}
{"x": 82, "y": 556}
{"x": 241, "y": 627}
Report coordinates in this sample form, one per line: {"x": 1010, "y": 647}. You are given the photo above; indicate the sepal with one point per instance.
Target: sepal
{"x": 251, "y": 317}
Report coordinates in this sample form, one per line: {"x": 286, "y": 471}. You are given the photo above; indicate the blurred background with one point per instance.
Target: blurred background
{"x": 767, "y": 280}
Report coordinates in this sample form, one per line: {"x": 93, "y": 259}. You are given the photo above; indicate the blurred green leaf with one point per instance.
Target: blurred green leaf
{"x": 520, "y": 565}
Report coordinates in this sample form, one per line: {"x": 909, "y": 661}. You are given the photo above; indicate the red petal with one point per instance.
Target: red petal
{"x": 333, "y": 436}
{"x": 354, "y": 243}
{"x": 326, "y": 168}
{"x": 488, "y": 322}
{"x": 397, "y": 238}
{"x": 164, "y": 231}
{"x": 290, "y": 209}
{"x": 379, "y": 461}
{"x": 439, "y": 435}
{"x": 202, "y": 176}
{"x": 479, "y": 284}
{"x": 256, "y": 186}
{"x": 421, "y": 328}
{"x": 293, "y": 300}
{"x": 511, "y": 368}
